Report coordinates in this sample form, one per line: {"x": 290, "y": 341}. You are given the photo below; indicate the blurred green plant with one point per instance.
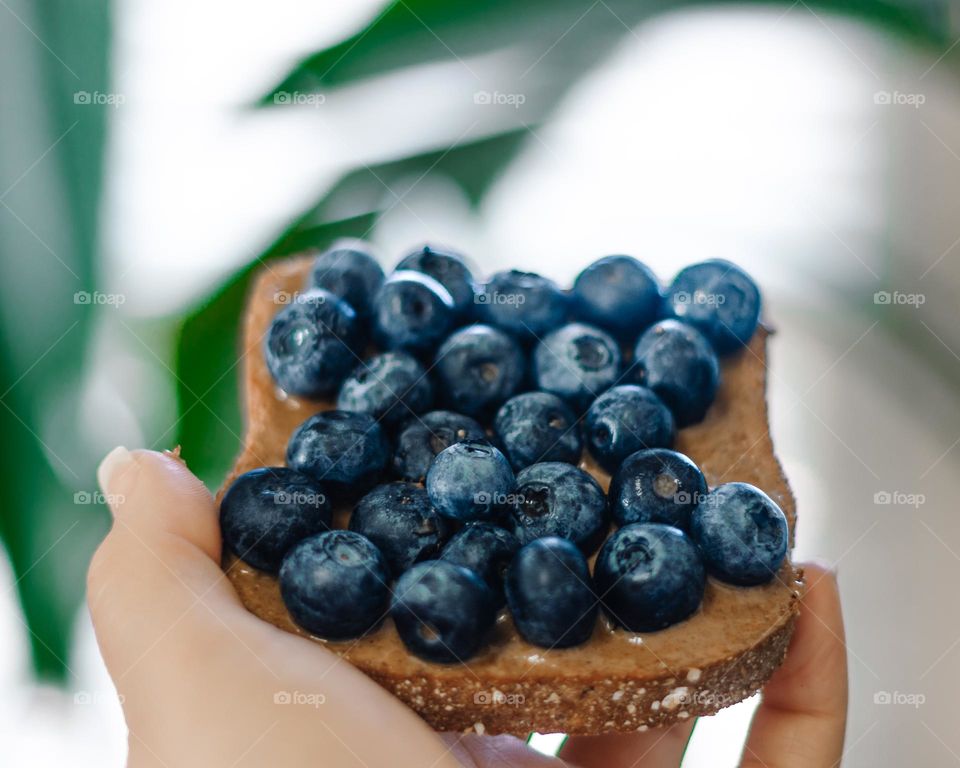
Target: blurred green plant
{"x": 562, "y": 37}
{"x": 52, "y": 142}
{"x": 57, "y": 48}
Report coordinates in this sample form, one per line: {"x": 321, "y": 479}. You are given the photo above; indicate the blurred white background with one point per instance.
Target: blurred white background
{"x": 752, "y": 135}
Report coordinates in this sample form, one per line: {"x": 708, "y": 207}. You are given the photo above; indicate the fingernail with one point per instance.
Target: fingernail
{"x": 112, "y": 470}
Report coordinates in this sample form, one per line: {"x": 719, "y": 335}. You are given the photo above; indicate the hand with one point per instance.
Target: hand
{"x": 201, "y": 677}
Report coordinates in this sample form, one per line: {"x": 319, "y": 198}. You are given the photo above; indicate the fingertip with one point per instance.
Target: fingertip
{"x": 802, "y": 714}
{"x": 816, "y": 569}
{"x": 118, "y": 469}
{"x": 820, "y": 610}
{"x": 817, "y": 650}
{"x": 151, "y": 491}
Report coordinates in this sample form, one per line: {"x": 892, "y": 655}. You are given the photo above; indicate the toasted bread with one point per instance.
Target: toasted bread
{"x": 617, "y": 681}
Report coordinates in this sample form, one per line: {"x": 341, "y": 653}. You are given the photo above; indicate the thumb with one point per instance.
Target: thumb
{"x": 198, "y": 673}
{"x": 155, "y": 493}
{"x": 160, "y": 561}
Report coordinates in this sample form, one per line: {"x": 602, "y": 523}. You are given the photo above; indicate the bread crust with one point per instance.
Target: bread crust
{"x": 616, "y": 682}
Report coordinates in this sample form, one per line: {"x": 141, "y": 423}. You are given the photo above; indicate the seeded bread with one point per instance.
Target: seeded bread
{"x": 616, "y": 682}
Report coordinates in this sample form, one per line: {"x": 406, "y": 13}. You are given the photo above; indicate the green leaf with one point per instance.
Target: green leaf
{"x": 564, "y": 32}
{"x": 48, "y": 535}
{"x": 412, "y": 32}
{"x": 48, "y": 224}
{"x": 473, "y": 165}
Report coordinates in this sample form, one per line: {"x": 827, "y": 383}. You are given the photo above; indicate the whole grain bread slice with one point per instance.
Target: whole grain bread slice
{"x": 616, "y": 682}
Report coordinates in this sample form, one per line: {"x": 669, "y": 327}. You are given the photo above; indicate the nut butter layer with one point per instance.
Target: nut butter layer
{"x": 618, "y": 681}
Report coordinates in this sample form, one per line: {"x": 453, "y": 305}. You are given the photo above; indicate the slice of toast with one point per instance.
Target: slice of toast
{"x": 618, "y": 681}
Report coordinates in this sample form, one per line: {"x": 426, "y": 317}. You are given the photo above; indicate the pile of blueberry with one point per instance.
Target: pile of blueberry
{"x": 459, "y": 512}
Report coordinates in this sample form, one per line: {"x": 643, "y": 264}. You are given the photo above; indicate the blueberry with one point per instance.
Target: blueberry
{"x": 448, "y": 269}
{"x": 523, "y": 304}
{"x": 390, "y": 387}
{"x": 412, "y": 311}
{"x": 423, "y": 437}
{"x": 309, "y": 346}
{"x": 551, "y": 595}
{"x": 266, "y": 511}
{"x": 335, "y": 585}
{"x": 576, "y": 362}
{"x": 623, "y": 420}
{"x": 443, "y": 611}
{"x": 649, "y": 576}
{"x": 478, "y": 368}
{"x": 349, "y": 270}
{"x": 486, "y": 550}
{"x": 742, "y": 534}
{"x": 470, "y": 481}
{"x": 538, "y": 426}
{"x": 400, "y": 520}
{"x": 720, "y": 299}
{"x": 617, "y": 293}
{"x": 677, "y": 362}
{"x": 347, "y": 451}
{"x": 656, "y": 486}
{"x": 556, "y": 499}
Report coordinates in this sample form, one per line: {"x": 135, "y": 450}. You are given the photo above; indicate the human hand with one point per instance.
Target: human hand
{"x": 199, "y": 674}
